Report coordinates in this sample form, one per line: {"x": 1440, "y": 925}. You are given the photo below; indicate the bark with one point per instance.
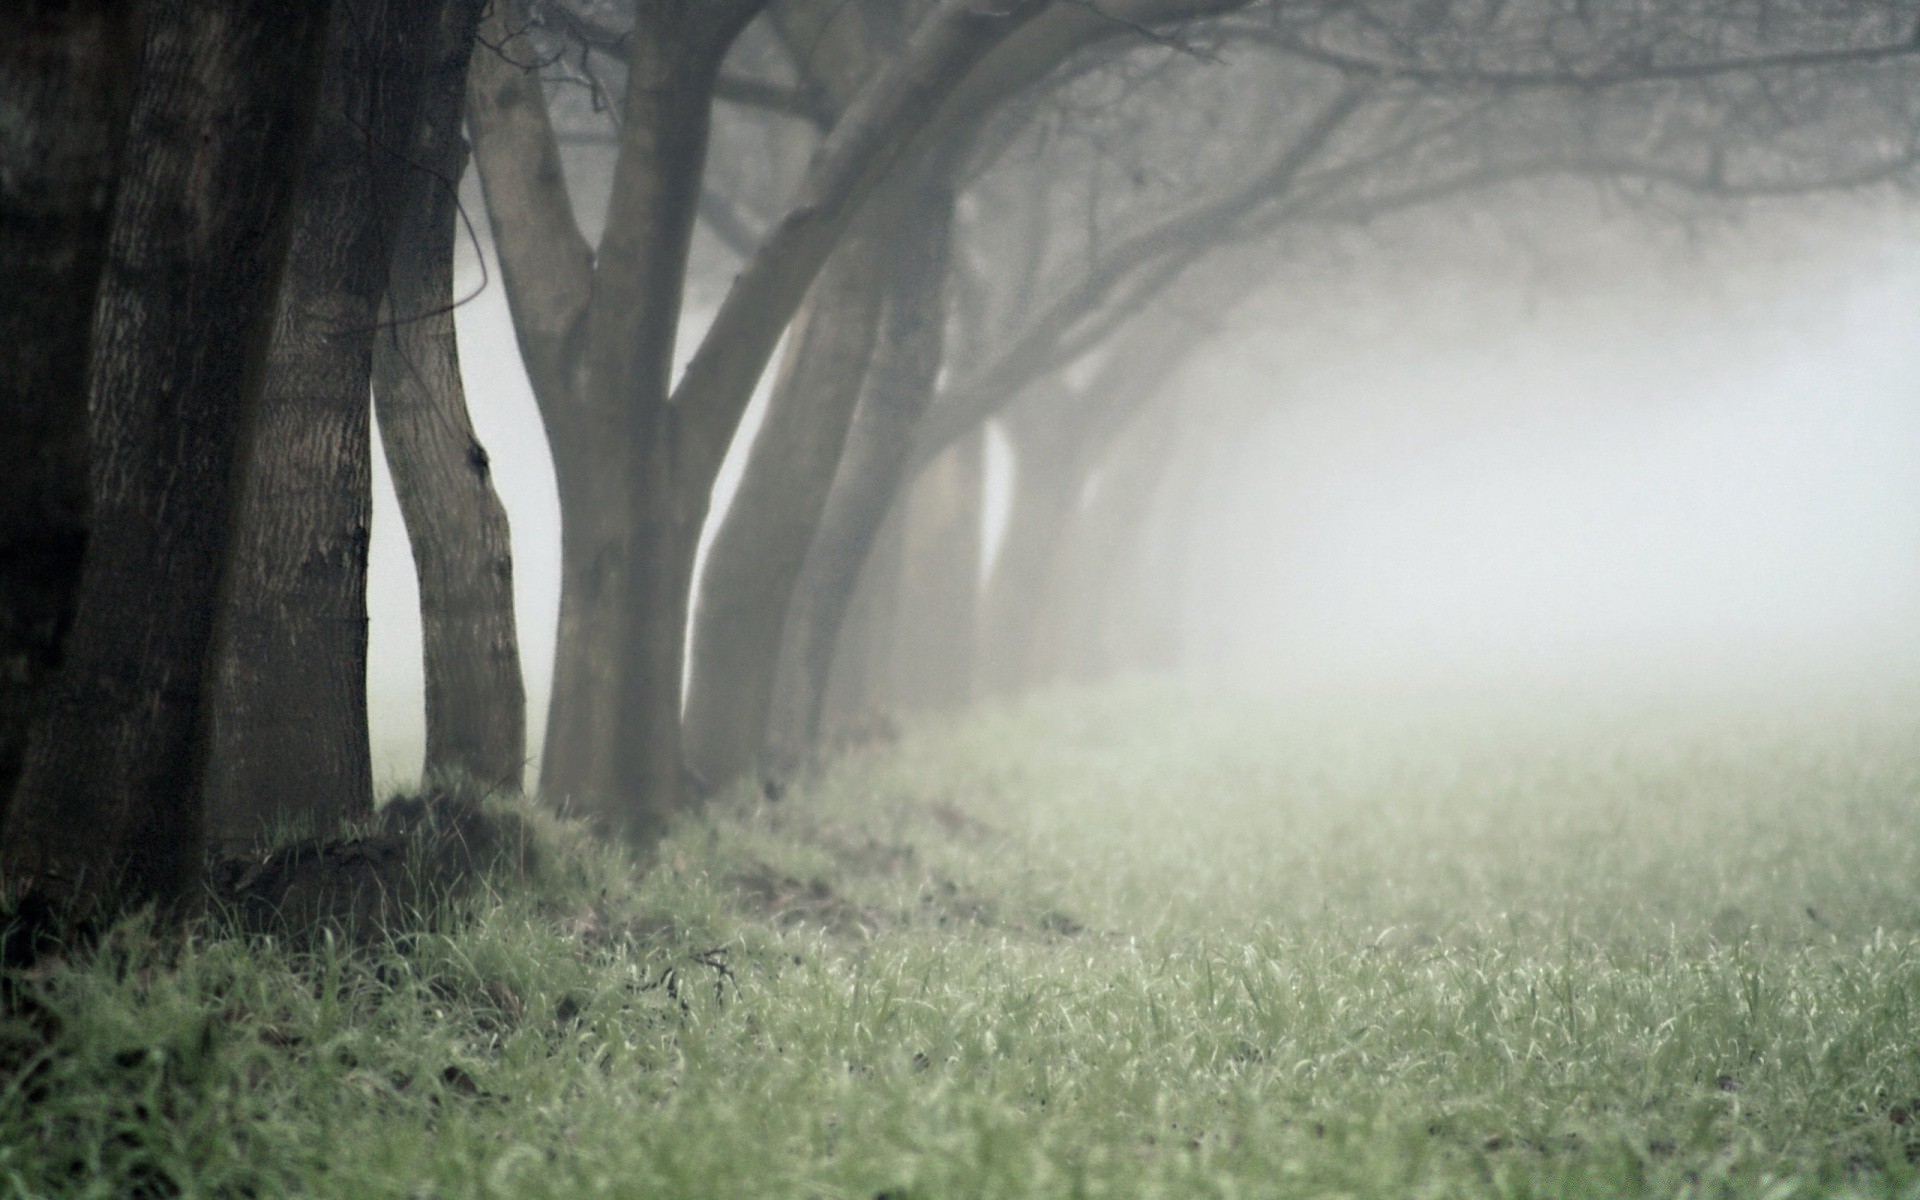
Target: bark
{"x": 109, "y": 806}
{"x": 66, "y": 84}
{"x": 597, "y": 333}
{"x": 546, "y": 269}
{"x": 874, "y": 133}
{"x": 931, "y": 664}
{"x": 456, "y": 524}
{"x": 291, "y": 746}
{"x": 635, "y": 782}
{"x": 625, "y": 761}
{"x": 899, "y": 386}
{"x": 758, "y": 550}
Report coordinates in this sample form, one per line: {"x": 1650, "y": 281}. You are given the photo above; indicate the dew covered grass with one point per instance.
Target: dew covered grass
{"x": 1120, "y": 943}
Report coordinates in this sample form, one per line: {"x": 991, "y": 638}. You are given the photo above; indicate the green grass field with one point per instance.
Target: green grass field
{"x": 1124, "y": 943}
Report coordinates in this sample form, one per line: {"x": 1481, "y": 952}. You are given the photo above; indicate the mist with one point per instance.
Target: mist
{"x": 1704, "y": 477}
{"x": 1593, "y": 457}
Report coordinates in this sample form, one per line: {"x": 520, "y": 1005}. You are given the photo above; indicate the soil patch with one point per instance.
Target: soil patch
{"x": 425, "y": 850}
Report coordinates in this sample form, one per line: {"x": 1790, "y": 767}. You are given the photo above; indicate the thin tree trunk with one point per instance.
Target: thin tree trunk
{"x": 547, "y": 269}
{"x": 1077, "y": 609}
{"x": 931, "y": 660}
{"x": 457, "y": 527}
{"x": 758, "y": 550}
{"x": 899, "y": 387}
{"x": 1048, "y": 479}
{"x": 1145, "y": 593}
{"x": 66, "y": 86}
{"x": 109, "y": 806}
{"x": 291, "y": 744}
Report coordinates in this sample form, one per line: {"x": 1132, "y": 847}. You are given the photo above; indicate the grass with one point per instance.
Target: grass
{"x": 1123, "y": 943}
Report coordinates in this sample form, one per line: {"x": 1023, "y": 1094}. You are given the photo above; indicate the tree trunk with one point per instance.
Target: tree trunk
{"x": 859, "y": 686}
{"x": 931, "y": 659}
{"x": 758, "y": 550}
{"x": 109, "y": 806}
{"x": 1076, "y": 610}
{"x": 899, "y": 386}
{"x": 66, "y": 84}
{"x": 1049, "y": 476}
{"x": 291, "y": 746}
{"x": 633, "y": 780}
{"x": 456, "y": 525}
{"x": 1145, "y": 593}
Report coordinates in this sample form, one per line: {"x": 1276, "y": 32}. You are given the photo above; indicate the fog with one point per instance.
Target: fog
{"x": 1652, "y": 486}
{"x": 1615, "y": 462}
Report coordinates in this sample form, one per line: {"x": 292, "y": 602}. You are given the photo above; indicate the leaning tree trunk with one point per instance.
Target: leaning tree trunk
{"x": 762, "y": 541}
{"x": 597, "y": 332}
{"x": 291, "y": 746}
{"x": 879, "y": 443}
{"x": 109, "y": 806}
{"x": 66, "y": 83}
{"x": 475, "y": 697}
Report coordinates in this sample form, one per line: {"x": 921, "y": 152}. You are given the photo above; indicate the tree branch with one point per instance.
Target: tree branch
{"x": 547, "y": 264}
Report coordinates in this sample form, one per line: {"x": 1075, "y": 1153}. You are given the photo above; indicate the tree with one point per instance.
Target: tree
{"x": 290, "y": 723}
{"x": 637, "y": 462}
{"x": 456, "y": 525}
{"x": 753, "y": 567}
{"x": 109, "y": 804}
{"x": 66, "y": 83}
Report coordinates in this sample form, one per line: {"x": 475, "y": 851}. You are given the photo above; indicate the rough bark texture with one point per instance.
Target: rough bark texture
{"x": 66, "y": 84}
{"x": 291, "y": 743}
{"x": 109, "y": 806}
{"x": 899, "y": 386}
{"x": 758, "y": 550}
{"x": 547, "y": 269}
{"x": 456, "y": 525}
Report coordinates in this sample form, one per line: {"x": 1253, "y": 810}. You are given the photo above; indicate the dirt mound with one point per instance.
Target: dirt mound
{"x": 424, "y": 850}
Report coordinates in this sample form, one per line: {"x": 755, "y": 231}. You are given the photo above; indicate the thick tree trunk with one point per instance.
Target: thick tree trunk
{"x": 633, "y": 780}
{"x": 932, "y": 659}
{"x": 66, "y": 84}
{"x": 109, "y": 806}
{"x": 899, "y": 387}
{"x": 291, "y": 745}
{"x": 758, "y": 550}
{"x": 475, "y": 696}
